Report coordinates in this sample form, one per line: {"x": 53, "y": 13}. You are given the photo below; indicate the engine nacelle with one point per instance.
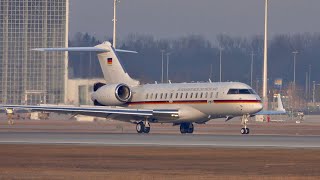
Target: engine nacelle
{"x": 112, "y": 95}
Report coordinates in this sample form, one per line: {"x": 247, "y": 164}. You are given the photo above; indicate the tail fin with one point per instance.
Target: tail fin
{"x": 112, "y": 69}
{"x": 277, "y": 110}
{"x": 280, "y": 104}
{"x": 111, "y": 66}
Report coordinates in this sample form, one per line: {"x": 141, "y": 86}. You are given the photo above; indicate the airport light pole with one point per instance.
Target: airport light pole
{"x": 313, "y": 91}
{"x": 309, "y": 85}
{"x": 294, "y": 68}
{"x": 252, "y": 54}
{"x": 162, "y": 53}
{"x": 114, "y": 22}
{"x": 265, "y": 58}
{"x": 210, "y": 75}
{"x": 220, "y": 50}
{"x": 168, "y": 54}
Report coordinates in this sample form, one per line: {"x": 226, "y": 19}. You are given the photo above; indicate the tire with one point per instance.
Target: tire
{"x": 190, "y": 128}
{"x": 140, "y": 128}
{"x": 183, "y": 128}
{"x": 243, "y": 131}
{"x": 247, "y": 130}
{"x": 146, "y": 130}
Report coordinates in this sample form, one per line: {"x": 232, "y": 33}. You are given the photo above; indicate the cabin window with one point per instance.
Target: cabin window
{"x": 191, "y": 95}
{"x": 151, "y": 96}
{"x": 201, "y": 94}
{"x": 166, "y": 96}
{"x": 147, "y": 95}
{"x": 156, "y": 96}
{"x": 186, "y": 95}
{"x": 177, "y": 95}
{"x": 161, "y": 95}
{"x": 206, "y": 94}
{"x": 171, "y": 95}
{"x": 196, "y": 95}
{"x": 211, "y": 94}
{"x": 181, "y": 95}
{"x": 217, "y": 94}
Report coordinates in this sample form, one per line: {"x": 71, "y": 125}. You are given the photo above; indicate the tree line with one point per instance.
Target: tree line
{"x": 194, "y": 58}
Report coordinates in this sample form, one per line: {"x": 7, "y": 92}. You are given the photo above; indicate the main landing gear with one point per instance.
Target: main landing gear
{"x": 244, "y": 121}
{"x": 186, "y": 128}
{"x": 143, "y": 127}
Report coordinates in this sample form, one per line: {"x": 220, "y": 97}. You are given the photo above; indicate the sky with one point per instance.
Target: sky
{"x": 176, "y": 18}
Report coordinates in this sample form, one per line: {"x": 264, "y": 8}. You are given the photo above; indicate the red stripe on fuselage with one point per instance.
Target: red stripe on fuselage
{"x": 193, "y": 102}
{"x": 169, "y": 102}
{"x": 237, "y": 101}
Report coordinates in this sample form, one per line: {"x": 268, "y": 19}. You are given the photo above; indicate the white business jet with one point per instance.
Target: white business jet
{"x": 125, "y": 99}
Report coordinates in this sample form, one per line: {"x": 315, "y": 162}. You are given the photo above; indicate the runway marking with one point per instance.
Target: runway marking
{"x": 158, "y": 144}
{"x": 231, "y": 141}
{"x": 280, "y": 164}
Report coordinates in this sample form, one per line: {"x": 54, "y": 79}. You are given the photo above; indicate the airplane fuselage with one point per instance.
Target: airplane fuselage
{"x": 196, "y": 102}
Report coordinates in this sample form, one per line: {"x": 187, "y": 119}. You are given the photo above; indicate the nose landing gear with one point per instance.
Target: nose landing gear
{"x": 244, "y": 121}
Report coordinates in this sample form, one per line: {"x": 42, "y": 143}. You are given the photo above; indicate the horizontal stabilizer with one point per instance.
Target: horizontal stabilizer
{"x": 111, "y": 66}
{"x": 81, "y": 49}
{"x": 126, "y": 51}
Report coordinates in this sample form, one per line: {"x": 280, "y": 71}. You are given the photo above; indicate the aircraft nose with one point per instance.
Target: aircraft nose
{"x": 259, "y": 107}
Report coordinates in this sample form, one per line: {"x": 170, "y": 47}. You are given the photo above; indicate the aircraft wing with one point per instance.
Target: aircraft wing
{"x": 98, "y": 111}
{"x": 90, "y": 110}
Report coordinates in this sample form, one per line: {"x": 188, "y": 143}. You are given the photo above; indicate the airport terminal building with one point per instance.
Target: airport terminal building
{"x": 29, "y": 77}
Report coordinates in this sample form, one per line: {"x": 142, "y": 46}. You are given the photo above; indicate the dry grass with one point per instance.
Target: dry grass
{"x": 88, "y": 162}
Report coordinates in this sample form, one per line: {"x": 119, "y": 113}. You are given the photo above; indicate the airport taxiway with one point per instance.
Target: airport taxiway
{"x": 113, "y": 150}
{"x": 175, "y": 140}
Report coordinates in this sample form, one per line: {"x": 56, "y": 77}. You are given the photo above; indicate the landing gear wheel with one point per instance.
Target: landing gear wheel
{"x": 247, "y": 130}
{"x": 146, "y": 130}
{"x": 191, "y": 128}
{"x": 10, "y": 121}
{"x": 243, "y": 130}
{"x": 140, "y": 127}
{"x": 186, "y": 128}
{"x": 183, "y": 128}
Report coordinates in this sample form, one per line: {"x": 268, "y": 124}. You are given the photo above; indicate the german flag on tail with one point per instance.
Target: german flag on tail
{"x": 109, "y": 61}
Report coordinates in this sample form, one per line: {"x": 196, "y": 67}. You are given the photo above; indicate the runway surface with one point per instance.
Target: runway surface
{"x": 177, "y": 140}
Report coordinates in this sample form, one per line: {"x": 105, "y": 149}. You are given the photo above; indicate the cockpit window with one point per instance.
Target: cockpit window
{"x": 244, "y": 91}
{"x": 252, "y": 91}
{"x": 233, "y": 91}
{"x": 241, "y": 91}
